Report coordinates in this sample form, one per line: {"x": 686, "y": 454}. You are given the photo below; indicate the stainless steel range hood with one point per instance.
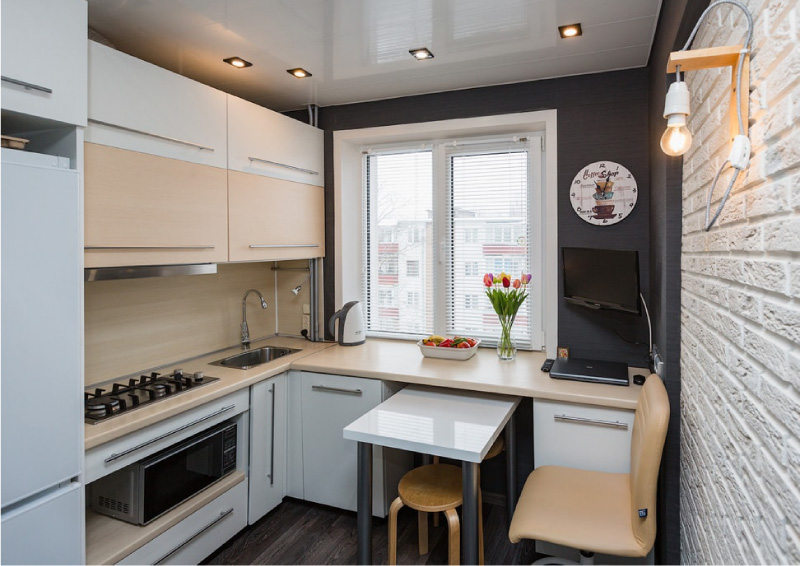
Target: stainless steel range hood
{"x": 142, "y": 271}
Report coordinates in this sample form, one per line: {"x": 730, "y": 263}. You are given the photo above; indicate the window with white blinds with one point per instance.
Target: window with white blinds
{"x": 437, "y": 218}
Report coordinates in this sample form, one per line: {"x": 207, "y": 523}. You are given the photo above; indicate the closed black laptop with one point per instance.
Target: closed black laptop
{"x": 576, "y": 369}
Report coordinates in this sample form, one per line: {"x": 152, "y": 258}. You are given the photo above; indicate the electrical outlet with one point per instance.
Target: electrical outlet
{"x": 306, "y": 322}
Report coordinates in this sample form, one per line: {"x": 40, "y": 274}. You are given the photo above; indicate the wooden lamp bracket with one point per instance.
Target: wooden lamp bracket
{"x": 696, "y": 59}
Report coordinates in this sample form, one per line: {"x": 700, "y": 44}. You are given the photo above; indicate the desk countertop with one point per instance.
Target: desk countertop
{"x": 393, "y": 360}
{"x": 389, "y": 360}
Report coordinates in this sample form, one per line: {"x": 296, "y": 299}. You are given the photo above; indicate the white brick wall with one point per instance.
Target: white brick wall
{"x": 740, "y": 306}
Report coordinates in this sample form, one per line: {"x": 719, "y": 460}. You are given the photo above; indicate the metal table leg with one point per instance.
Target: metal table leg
{"x": 469, "y": 522}
{"x": 511, "y": 467}
{"x": 364, "y": 504}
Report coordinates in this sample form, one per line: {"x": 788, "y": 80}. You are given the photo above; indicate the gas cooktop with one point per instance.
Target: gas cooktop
{"x": 101, "y": 404}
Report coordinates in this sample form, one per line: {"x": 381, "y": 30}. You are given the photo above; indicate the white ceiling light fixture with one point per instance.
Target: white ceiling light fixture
{"x": 238, "y": 62}
{"x": 677, "y": 139}
{"x": 421, "y": 53}
{"x": 299, "y": 73}
{"x": 570, "y": 30}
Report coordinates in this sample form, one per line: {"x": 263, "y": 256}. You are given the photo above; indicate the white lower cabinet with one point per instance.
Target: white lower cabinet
{"x": 267, "y": 446}
{"x": 199, "y": 534}
{"x": 582, "y": 436}
{"x": 329, "y": 403}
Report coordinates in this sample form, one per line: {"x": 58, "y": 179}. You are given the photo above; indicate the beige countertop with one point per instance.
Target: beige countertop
{"x": 390, "y": 360}
{"x": 230, "y": 380}
{"x": 394, "y": 360}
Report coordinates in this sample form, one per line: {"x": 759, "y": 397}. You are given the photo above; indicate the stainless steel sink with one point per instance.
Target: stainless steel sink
{"x": 253, "y": 358}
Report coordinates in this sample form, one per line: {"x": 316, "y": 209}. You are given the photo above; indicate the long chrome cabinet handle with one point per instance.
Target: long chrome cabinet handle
{"x": 152, "y": 135}
{"x": 167, "y": 434}
{"x": 595, "y": 422}
{"x": 284, "y": 245}
{"x": 29, "y": 86}
{"x": 272, "y": 441}
{"x": 284, "y": 165}
{"x": 336, "y": 389}
{"x": 199, "y": 247}
{"x": 222, "y": 515}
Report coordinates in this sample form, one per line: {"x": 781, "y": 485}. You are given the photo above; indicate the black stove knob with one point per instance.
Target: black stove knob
{"x": 178, "y": 373}
{"x": 198, "y": 377}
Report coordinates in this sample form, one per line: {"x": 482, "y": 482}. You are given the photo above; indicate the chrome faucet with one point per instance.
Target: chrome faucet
{"x": 245, "y": 330}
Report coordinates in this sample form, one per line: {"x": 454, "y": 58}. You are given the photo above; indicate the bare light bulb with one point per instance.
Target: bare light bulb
{"x": 676, "y": 140}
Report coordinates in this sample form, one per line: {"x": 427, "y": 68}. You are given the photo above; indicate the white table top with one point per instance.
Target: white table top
{"x": 461, "y": 425}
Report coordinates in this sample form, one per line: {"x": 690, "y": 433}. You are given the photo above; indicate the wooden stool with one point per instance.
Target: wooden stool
{"x": 429, "y": 489}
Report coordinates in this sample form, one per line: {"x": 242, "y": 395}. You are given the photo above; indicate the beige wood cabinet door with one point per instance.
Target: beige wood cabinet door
{"x": 142, "y": 209}
{"x": 274, "y": 219}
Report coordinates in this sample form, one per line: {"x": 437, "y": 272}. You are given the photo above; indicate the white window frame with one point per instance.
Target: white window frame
{"x": 347, "y": 147}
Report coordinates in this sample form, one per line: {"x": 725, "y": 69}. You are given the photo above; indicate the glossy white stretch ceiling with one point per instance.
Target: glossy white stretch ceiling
{"x": 357, "y": 50}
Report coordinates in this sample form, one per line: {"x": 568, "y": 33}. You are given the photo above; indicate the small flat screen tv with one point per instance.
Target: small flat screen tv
{"x": 602, "y": 279}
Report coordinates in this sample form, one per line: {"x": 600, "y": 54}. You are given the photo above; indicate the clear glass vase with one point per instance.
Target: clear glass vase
{"x": 506, "y": 348}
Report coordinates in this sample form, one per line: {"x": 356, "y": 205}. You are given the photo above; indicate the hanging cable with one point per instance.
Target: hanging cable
{"x": 740, "y": 152}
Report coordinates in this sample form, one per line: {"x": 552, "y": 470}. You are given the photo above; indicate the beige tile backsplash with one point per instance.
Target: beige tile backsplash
{"x": 135, "y": 324}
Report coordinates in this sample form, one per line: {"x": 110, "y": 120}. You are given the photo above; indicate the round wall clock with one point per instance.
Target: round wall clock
{"x": 603, "y": 193}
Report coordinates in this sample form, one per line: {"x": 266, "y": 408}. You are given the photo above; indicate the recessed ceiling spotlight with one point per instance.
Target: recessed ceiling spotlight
{"x": 299, "y": 73}
{"x": 421, "y": 53}
{"x": 571, "y": 30}
{"x": 238, "y": 62}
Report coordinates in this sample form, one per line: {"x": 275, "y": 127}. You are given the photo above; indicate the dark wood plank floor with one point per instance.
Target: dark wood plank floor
{"x": 299, "y": 532}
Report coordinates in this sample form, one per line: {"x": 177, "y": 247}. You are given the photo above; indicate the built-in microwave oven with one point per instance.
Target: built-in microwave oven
{"x": 147, "y": 489}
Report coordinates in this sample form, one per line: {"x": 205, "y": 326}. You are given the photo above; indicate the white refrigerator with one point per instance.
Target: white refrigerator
{"x": 41, "y": 384}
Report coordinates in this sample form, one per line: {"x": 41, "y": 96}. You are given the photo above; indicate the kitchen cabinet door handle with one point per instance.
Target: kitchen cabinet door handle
{"x": 284, "y": 245}
{"x": 221, "y": 516}
{"x": 337, "y": 389}
{"x": 198, "y": 247}
{"x": 271, "y": 475}
{"x": 595, "y": 422}
{"x": 119, "y": 455}
{"x": 284, "y": 165}
{"x": 28, "y": 86}
{"x": 152, "y": 135}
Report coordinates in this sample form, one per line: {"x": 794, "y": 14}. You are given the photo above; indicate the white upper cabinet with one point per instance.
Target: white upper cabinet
{"x": 267, "y": 143}
{"x": 44, "y": 59}
{"x": 140, "y": 107}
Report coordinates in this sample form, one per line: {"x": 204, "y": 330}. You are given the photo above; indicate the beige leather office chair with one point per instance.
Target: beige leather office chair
{"x": 598, "y": 511}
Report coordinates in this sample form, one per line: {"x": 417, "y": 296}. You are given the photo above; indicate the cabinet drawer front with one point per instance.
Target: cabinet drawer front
{"x": 582, "y": 436}
{"x": 200, "y": 534}
{"x": 44, "y": 59}
{"x": 266, "y": 143}
{"x": 331, "y": 402}
{"x": 273, "y": 219}
{"x": 138, "y": 106}
{"x": 146, "y": 210}
{"x": 131, "y": 448}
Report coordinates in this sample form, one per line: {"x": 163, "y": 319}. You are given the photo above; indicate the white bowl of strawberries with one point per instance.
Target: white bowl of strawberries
{"x": 456, "y": 348}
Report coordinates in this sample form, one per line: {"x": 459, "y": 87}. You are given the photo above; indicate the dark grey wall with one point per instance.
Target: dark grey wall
{"x": 676, "y": 22}
{"x": 602, "y": 116}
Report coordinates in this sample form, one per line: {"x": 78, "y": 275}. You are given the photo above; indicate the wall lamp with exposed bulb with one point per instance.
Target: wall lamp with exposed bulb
{"x": 677, "y": 139}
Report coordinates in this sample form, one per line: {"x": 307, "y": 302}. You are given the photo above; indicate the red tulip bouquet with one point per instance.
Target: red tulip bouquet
{"x": 506, "y": 296}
